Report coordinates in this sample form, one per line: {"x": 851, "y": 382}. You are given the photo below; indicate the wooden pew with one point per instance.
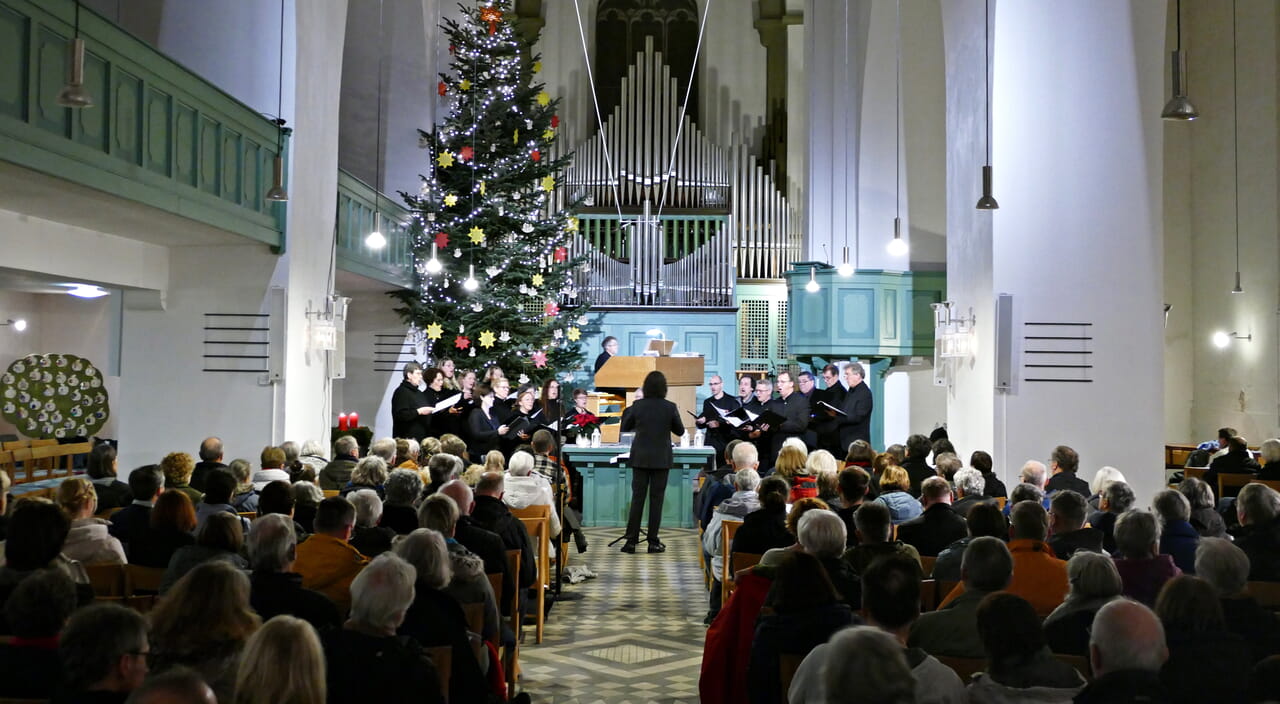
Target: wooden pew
{"x": 537, "y": 520}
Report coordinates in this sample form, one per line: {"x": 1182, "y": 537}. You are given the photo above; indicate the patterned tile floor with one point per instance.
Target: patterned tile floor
{"x": 632, "y": 635}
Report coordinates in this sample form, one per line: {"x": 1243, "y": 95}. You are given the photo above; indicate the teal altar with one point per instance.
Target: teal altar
{"x": 606, "y": 486}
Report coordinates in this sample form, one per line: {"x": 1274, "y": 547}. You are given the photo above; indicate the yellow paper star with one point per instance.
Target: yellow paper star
{"x": 537, "y": 67}
{"x": 549, "y": 135}
{"x": 465, "y": 84}
{"x": 487, "y": 338}
{"x": 434, "y": 331}
{"x": 573, "y": 334}
{"x": 445, "y": 160}
{"x": 548, "y": 182}
{"x": 482, "y": 188}
{"x": 515, "y": 139}
{"x": 544, "y": 99}
{"x": 537, "y": 279}
{"x": 476, "y": 234}
{"x": 573, "y": 224}
{"x": 450, "y": 200}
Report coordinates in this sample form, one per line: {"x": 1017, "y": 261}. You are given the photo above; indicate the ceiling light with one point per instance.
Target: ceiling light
{"x": 471, "y": 284}
{"x": 19, "y": 324}
{"x": 1179, "y": 106}
{"x": 73, "y": 94}
{"x": 845, "y": 269}
{"x": 897, "y": 246}
{"x": 375, "y": 239}
{"x": 86, "y": 291}
{"x": 812, "y": 286}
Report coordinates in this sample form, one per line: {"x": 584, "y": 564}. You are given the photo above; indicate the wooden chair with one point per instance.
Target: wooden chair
{"x": 511, "y": 656}
{"x": 251, "y": 515}
{"x": 144, "y": 580}
{"x": 331, "y": 492}
{"x": 944, "y": 588}
{"x": 7, "y": 465}
{"x": 442, "y": 657}
{"x": 1194, "y": 473}
{"x": 966, "y": 668}
{"x": 1235, "y": 482}
{"x": 1267, "y": 594}
{"x": 537, "y": 520}
{"x": 15, "y": 445}
{"x": 727, "y": 531}
{"x": 475, "y": 616}
{"x": 928, "y": 595}
{"x": 108, "y": 513}
{"x": 1001, "y": 501}
{"x": 743, "y": 561}
{"x": 495, "y": 583}
{"x": 1080, "y": 662}
{"x": 788, "y": 663}
{"x": 1273, "y": 483}
{"x": 926, "y": 564}
{"x": 107, "y": 580}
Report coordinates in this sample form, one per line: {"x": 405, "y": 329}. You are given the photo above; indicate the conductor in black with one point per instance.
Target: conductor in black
{"x": 654, "y": 419}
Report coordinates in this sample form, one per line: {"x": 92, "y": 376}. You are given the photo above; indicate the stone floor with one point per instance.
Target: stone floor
{"x": 632, "y": 635}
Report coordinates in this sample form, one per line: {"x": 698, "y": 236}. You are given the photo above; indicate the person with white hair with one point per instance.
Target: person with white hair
{"x": 970, "y": 486}
{"x": 384, "y": 448}
{"x": 274, "y": 588}
{"x": 1126, "y": 650}
{"x": 313, "y": 456}
{"x": 744, "y": 500}
{"x": 1142, "y": 569}
{"x": 1101, "y": 480}
{"x": 1093, "y": 582}
{"x": 986, "y": 567}
{"x": 874, "y": 668}
{"x": 370, "y": 473}
{"x": 1258, "y": 508}
{"x": 368, "y": 537}
{"x": 366, "y": 659}
{"x": 1269, "y": 458}
{"x": 525, "y": 488}
{"x": 822, "y": 533}
{"x": 1226, "y": 568}
{"x": 399, "y": 512}
{"x": 470, "y": 585}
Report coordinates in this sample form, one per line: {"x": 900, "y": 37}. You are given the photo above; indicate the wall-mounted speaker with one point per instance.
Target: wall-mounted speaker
{"x": 1004, "y": 342}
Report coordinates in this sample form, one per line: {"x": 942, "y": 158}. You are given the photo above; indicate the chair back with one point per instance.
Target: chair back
{"x": 743, "y": 560}
{"x": 442, "y": 657}
{"x": 145, "y": 580}
{"x": 1272, "y": 483}
{"x": 106, "y": 580}
{"x": 966, "y": 668}
{"x": 250, "y": 515}
{"x": 108, "y": 513}
{"x": 928, "y": 595}
{"x": 1233, "y": 482}
{"x": 727, "y": 531}
{"x": 945, "y": 587}
{"x": 1001, "y": 501}
{"x": 475, "y": 616}
{"x": 1195, "y": 472}
{"x": 1267, "y": 594}
{"x": 788, "y": 663}
{"x": 1080, "y": 662}
{"x": 926, "y": 564}
{"x": 495, "y": 583}
{"x": 329, "y": 493}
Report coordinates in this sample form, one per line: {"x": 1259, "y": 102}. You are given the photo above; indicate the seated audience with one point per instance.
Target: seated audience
{"x": 822, "y": 466}
{"x": 745, "y": 499}
{"x": 172, "y": 522}
{"x": 101, "y": 468}
{"x": 1238, "y": 460}
{"x": 245, "y": 498}
{"x": 37, "y": 531}
{"x": 1063, "y": 464}
{"x": 984, "y": 520}
{"x": 327, "y": 561}
{"x": 442, "y": 468}
{"x": 1258, "y": 509}
{"x": 1126, "y": 651}
{"x": 177, "y": 468}
{"x": 1067, "y": 532}
{"x": 874, "y": 526}
{"x": 946, "y": 465}
{"x": 525, "y": 489}
{"x": 384, "y": 448}
{"x": 470, "y": 585}
{"x": 273, "y": 463}
{"x": 35, "y": 612}
{"x": 366, "y": 660}
{"x": 894, "y": 485}
{"x": 939, "y": 525}
{"x": 969, "y": 491}
{"x": 484, "y": 543}
{"x": 491, "y": 514}
{"x": 1142, "y": 569}
{"x": 806, "y": 611}
{"x": 1019, "y": 664}
{"x": 145, "y": 485}
{"x": 773, "y": 556}
{"x": 853, "y": 484}
{"x": 218, "y": 539}
{"x": 1226, "y": 568}
{"x": 874, "y": 671}
{"x": 1264, "y": 680}
{"x": 1034, "y": 474}
{"x": 103, "y": 650}
{"x": 370, "y": 473}
{"x": 89, "y": 541}
{"x": 891, "y": 602}
{"x": 407, "y": 450}
{"x": 368, "y": 537}
{"x": 717, "y": 485}
{"x": 1038, "y": 576}
{"x": 435, "y": 618}
{"x": 862, "y": 456}
{"x": 765, "y": 528}
{"x": 283, "y": 663}
{"x": 1270, "y": 459}
{"x": 274, "y": 588}
{"x": 916, "y": 464}
{"x": 312, "y": 457}
{"x": 176, "y": 685}
{"x": 1094, "y": 582}
{"x": 1178, "y": 539}
{"x": 210, "y": 459}
{"x": 953, "y": 630}
{"x": 992, "y": 487}
{"x": 1116, "y": 498}
{"x": 1206, "y": 661}
{"x": 1204, "y": 512}
{"x": 790, "y": 467}
{"x": 1023, "y": 491}
{"x": 398, "y": 510}
{"x": 451, "y": 444}
{"x": 306, "y": 502}
{"x": 202, "y": 623}
{"x": 336, "y": 474}
{"x": 277, "y": 497}
{"x": 219, "y": 486}
{"x": 1098, "y": 486}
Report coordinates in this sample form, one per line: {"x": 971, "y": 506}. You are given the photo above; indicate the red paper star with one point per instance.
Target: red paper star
{"x": 452, "y": 49}
{"x": 539, "y": 359}
{"x": 466, "y": 153}
{"x": 441, "y": 88}
{"x": 461, "y": 342}
{"x": 536, "y": 155}
{"x": 555, "y": 120}
{"x": 551, "y": 309}
{"x": 561, "y": 254}
{"x": 442, "y": 240}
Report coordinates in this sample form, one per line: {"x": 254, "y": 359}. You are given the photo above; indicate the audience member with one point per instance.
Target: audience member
{"x": 1126, "y": 652}
{"x": 484, "y": 543}
{"x": 384, "y": 448}
{"x": 177, "y": 468}
{"x": 35, "y": 612}
{"x": 1237, "y": 460}
{"x": 172, "y": 522}
{"x": 1038, "y": 576}
{"x": 1023, "y": 491}
{"x": 822, "y": 466}
{"x": 1204, "y": 513}
{"x": 203, "y": 623}
{"x": 946, "y": 465}
{"x": 524, "y": 488}
{"x": 1116, "y": 498}
{"x": 89, "y": 541}
{"x": 275, "y": 588}
{"x": 874, "y": 669}
{"x": 1269, "y": 452}
{"x": 1020, "y": 666}
{"x": 442, "y": 468}
{"x": 37, "y": 531}
{"x": 398, "y": 510}
{"x": 103, "y": 650}
{"x": 718, "y": 484}
{"x": 306, "y": 503}
{"x": 176, "y": 685}
{"x": 101, "y": 469}
{"x": 219, "y": 486}
{"x": 145, "y": 485}
{"x": 953, "y": 630}
{"x": 367, "y": 536}
{"x": 765, "y": 528}
{"x": 1206, "y": 662}
{"x": 470, "y": 585}
{"x": 370, "y": 473}
{"x": 327, "y": 561}
{"x": 491, "y": 514}
{"x": 1264, "y": 681}
{"x": 969, "y": 486}
{"x": 821, "y": 533}
{"x": 992, "y": 487}
{"x": 1258, "y": 509}
{"x": 1143, "y": 570}
{"x": 1094, "y": 582}
{"x": 874, "y": 527}
{"x": 984, "y": 520}
{"x": 916, "y": 464}
{"x": 406, "y": 454}
{"x": 365, "y": 660}
{"x": 1178, "y": 538}
{"x": 1226, "y": 568}
{"x": 773, "y": 556}
{"x": 219, "y": 539}
{"x": 1098, "y": 486}
{"x": 313, "y": 458}
{"x": 336, "y": 474}
{"x": 854, "y": 483}
{"x": 245, "y": 498}
{"x": 939, "y": 525}
{"x": 210, "y": 459}
{"x": 282, "y": 664}
{"x": 1068, "y": 511}
{"x": 790, "y": 467}
{"x": 277, "y": 497}
{"x": 903, "y": 506}
{"x": 1063, "y": 465}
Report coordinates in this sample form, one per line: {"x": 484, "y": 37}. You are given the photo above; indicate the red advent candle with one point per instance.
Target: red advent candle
{"x": 342, "y": 421}
{"x": 353, "y": 420}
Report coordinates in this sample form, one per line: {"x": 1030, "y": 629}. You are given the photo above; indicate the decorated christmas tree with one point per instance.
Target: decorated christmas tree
{"x": 493, "y": 274}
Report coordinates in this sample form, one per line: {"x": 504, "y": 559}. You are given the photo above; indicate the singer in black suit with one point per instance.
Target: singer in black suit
{"x": 857, "y": 405}
{"x": 410, "y": 407}
{"x": 654, "y": 419}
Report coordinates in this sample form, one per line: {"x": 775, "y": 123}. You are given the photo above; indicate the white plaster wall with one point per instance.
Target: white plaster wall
{"x": 79, "y": 254}
{"x": 366, "y": 391}
{"x": 1179, "y": 280}
{"x": 912, "y": 404}
{"x": 924, "y": 140}
{"x": 878, "y": 149}
{"x": 1080, "y": 222}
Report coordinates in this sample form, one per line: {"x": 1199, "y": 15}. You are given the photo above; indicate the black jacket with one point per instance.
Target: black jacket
{"x": 483, "y": 431}
{"x": 1067, "y": 480}
{"x": 435, "y": 619}
{"x": 1135, "y": 686}
{"x": 793, "y": 632}
{"x": 1067, "y": 544}
{"x": 372, "y": 541}
{"x": 1259, "y": 627}
{"x": 366, "y": 668}
{"x": 994, "y": 487}
{"x": 28, "y": 672}
{"x": 761, "y": 531}
{"x": 154, "y": 548}
{"x": 129, "y": 522}
{"x": 490, "y": 548}
{"x": 965, "y": 505}
{"x": 919, "y": 470}
{"x": 401, "y": 519}
{"x": 1206, "y": 666}
{"x": 653, "y": 420}
{"x": 1261, "y": 542}
{"x": 405, "y": 421}
{"x": 275, "y": 593}
{"x": 1230, "y": 463}
{"x": 112, "y": 495}
{"x": 201, "y": 471}
{"x": 856, "y": 423}
{"x": 337, "y": 473}
{"x": 932, "y": 531}
{"x": 795, "y": 408}
{"x": 493, "y": 515}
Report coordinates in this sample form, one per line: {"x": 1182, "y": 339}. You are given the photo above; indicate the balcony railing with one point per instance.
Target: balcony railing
{"x": 393, "y": 263}
{"x": 158, "y": 134}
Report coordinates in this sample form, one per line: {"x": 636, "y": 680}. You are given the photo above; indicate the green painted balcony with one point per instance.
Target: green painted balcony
{"x": 357, "y": 202}
{"x": 158, "y": 134}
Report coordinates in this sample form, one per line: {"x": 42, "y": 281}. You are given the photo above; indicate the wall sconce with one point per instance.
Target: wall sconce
{"x": 1222, "y": 340}
{"x": 19, "y": 324}
{"x": 954, "y": 340}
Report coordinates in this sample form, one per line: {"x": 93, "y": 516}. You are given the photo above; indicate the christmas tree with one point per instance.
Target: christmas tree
{"x": 494, "y": 280}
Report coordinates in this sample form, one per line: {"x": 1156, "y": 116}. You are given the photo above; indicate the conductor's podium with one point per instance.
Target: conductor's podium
{"x": 606, "y": 486}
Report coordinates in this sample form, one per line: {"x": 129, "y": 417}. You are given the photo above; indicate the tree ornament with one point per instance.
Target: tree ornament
{"x": 537, "y": 67}
{"x": 464, "y": 85}
{"x": 536, "y": 155}
{"x": 457, "y": 253}
{"x": 528, "y": 124}
{"x": 582, "y": 320}
{"x": 462, "y": 329}
{"x": 445, "y": 160}
{"x": 453, "y": 49}
{"x": 493, "y": 271}
{"x": 472, "y": 353}
{"x": 477, "y": 307}
{"x": 527, "y": 228}
{"x": 548, "y": 182}
{"x": 555, "y": 122}
{"x": 551, "y": 309}
{"x": 441, "y": 88}
{"x": 504, "y": 336}
{"x": 524, "y": 289}
{"x": 544, "y": 99}
{"x": 561, "y": 254}
{"x": 515, "y": 139}
{"x": 557, "y": 333}
{"x": 476, "y": 234}
{"x": 539, "y": 359}
{"x": 442, "y": 240}
{"x": 434, "y": 331}
{"x": 461, "y": 342}
{"x": 549, "y": 135}
{"x": 487, "y": 338}
{"x": 572, "y": 224}
{"x": 493, "y": 16}
{"x": 573, "y": 334}
{"x": 537, "y": 279}
{"x": 466, "y": 153}
{"x": 482, "y": 188}
{"x": 450, "y": 200}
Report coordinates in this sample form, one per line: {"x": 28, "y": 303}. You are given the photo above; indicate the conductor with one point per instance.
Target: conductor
{"x": 653, "y": 418}
{"x": 410, "y": 407}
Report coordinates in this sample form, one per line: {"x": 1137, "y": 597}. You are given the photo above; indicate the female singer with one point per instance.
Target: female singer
{"x": 523, "y": 408}
{"x": 653, "y": 418}
{"x": 549, "y": 403}
{"x": 492, "y": 374}
{"x": 486, "y": 423}
{"x": 411, "y": 408}
{"x": 449, "y": 368}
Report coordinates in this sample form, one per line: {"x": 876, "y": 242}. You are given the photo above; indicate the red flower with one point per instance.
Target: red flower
{"x": 584, "y": 419}
{"x": 441, "y": 88}
{"x": 555, "y": 121}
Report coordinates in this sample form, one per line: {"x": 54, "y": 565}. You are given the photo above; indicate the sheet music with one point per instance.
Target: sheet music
{"x": 448, "y": 402}
{"x": 618, "y": 458}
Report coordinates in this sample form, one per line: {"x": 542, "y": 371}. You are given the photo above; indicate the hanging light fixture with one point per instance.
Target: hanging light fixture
{"x": 897, "y": 246}
{"x": 1179, "y": 106}
{"x": 73, "y": 94}
{"x": 277, "y": 191}
{"x": 375, "y": 239}
{"x": 471, "y": 284}
{"x": 433, "y": 264}
{"x": 987, "y": 201}
{"x": 812, "y": 286}
{"x": 1235, "y": 135}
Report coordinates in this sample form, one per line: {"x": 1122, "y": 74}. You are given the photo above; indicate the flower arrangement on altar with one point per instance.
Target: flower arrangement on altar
{"x": 585, "y": 423}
